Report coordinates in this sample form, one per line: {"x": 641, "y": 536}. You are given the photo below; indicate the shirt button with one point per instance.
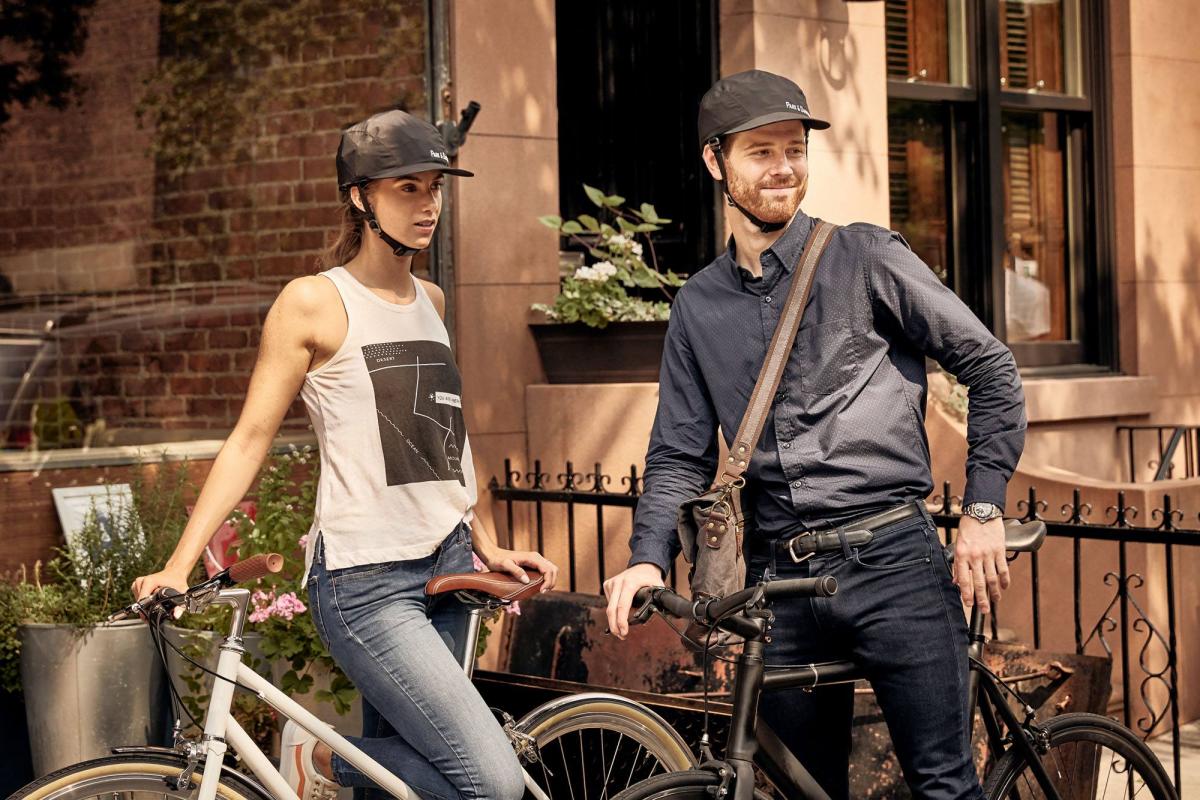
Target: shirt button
{"x": 795, "y": 484}
{"x": 787, "y": 445}
{"x": 767, "y": 299}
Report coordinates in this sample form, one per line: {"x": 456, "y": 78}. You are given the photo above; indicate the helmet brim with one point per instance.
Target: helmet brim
{"x": 413, "y": 169}
{"x": 780, "y": 116}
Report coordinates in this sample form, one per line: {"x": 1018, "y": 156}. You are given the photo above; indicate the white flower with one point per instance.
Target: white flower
{"x": 636, "y": 247}
{"x": 604, "y": 269}
{"x": 598, "y": 272}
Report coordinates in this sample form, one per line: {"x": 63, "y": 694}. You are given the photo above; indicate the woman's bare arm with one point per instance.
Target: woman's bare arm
{"x": 290, "y": 340}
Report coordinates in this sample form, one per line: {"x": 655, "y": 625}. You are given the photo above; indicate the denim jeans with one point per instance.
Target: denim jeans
{"x": 898, "y": 615}
{"x": 423, "y": 719}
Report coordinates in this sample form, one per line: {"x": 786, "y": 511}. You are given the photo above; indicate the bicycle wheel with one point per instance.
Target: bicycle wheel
{"x": 142, "y": 775}
{"x": 694, "y": 784}
{"x": 594, "y": 745}
{"x": 1090, "y": 757}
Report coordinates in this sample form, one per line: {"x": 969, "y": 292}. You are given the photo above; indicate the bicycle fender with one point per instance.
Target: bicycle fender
{"x": 567, "y": 703}
{"x": 168, "y": 752}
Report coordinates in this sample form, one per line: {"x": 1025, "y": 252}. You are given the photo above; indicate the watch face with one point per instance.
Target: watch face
{"x": 982, "y": 511}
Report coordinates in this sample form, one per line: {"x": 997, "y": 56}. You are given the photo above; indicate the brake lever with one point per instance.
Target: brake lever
{"x": 643, "y": 614}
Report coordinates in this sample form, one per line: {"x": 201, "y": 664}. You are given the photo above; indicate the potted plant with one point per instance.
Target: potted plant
{"x": 597, "y": 331}
{"x": 106, "y": 679}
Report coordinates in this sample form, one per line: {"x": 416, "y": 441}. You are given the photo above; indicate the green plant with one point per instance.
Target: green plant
{"x": 90, "y": 579}
{"x": 598, "y": 293}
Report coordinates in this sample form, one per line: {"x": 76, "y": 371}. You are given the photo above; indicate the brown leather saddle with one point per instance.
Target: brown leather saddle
{"x": 486, "y": 588}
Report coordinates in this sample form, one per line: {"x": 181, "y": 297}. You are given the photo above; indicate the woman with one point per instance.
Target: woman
{"x": 365, "y": 345}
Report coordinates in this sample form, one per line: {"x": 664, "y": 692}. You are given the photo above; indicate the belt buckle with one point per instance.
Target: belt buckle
{"x": 799, "y": 559}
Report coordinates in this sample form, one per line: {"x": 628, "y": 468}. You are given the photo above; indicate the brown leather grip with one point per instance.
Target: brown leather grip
{"x": 255, "y": 567}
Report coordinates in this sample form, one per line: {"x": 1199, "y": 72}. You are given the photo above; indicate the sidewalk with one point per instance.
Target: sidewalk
{"x": 1189, "y": 761}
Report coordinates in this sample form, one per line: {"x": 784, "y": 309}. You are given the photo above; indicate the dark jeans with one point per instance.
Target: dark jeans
{"x": 423, "y": 719}
{"x": 898, "y": 615}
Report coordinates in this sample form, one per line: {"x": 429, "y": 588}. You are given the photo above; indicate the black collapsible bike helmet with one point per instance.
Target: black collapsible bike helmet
{"x": 746, "y": 101}
{"x": 390, "y": 144}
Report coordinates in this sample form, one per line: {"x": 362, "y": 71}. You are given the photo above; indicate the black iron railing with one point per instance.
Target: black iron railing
{"x": 1173, "y": 450}
{"x": 1123, "y": 613}
{"x": 1144, "y": 643}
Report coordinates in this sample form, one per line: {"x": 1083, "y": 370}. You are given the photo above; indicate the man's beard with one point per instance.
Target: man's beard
{"x": 768, "y": 208}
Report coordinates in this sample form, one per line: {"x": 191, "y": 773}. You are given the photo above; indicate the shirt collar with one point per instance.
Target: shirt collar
{"x": 785, "y": 251}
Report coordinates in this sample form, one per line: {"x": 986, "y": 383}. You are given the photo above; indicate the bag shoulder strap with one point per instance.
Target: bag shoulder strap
{"x": 777, "y": 355}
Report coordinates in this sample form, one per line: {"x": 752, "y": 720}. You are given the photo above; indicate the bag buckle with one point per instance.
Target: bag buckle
{"x": 791, "y": 548}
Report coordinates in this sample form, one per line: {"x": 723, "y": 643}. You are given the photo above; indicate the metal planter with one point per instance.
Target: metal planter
{"x": 623, "y": 352}
{"x": 89, "y": 691}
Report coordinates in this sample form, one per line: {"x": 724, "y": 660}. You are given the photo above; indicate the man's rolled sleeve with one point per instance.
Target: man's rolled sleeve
{"x": 682, "y": 456}
{"x": 935, "y": 320}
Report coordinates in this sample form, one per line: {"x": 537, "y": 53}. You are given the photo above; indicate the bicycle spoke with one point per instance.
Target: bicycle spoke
{"x": 633, "y": 766}
{"x": 583, "y": 766}
{"x": 567, "y": 769}
{"x": 613, "y": 763}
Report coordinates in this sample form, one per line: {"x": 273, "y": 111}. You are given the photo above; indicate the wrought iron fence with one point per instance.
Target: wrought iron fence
{"x": 1174, "y": 450}
{"x": 1123, "y": 603}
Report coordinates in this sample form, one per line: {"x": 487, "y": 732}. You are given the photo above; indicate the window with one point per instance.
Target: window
{"x": 995, "y": 175}
{"x": 631, "y": 75}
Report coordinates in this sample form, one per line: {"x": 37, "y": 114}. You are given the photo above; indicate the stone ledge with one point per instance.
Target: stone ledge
{"x": 1067, "y": 399}
{"x": 196, "y": 450}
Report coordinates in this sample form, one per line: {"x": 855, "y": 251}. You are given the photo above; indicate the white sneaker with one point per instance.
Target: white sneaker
{"x": 296, "y": 765}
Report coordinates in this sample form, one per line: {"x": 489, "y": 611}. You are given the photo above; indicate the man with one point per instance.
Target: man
{"x": 844, "y": 448}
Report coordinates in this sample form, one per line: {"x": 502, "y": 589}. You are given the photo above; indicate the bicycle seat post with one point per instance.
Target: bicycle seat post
{"x": 471, "y": 639}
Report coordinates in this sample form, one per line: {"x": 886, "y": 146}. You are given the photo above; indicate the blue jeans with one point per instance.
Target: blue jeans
{"x": 898, "y": 615}
{"x": 423, "y": 719}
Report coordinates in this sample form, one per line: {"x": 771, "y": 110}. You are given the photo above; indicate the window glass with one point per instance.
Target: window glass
{"x": 1036, "y": 267}
{"x": 926, "y": 41}
{"x": 1038, "y": 47}
{"x": 917, "y": 181}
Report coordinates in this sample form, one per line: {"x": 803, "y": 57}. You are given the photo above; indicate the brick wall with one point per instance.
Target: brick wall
{"x": 157, "y": 283}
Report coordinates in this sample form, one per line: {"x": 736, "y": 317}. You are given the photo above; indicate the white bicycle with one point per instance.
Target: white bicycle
{"x": 590, "y": 745}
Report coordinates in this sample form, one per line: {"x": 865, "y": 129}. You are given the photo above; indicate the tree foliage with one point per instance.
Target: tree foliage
{"x": 40, "y": 41}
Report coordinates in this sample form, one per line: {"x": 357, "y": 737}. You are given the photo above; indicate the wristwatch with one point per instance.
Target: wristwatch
{"x": 983, "y": 511}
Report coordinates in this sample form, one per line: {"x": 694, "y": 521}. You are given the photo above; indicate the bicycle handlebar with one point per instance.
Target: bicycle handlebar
{"x": 707, "y": 611}
{"x": 167, "y": 600}
{"x": 255, "y": 567}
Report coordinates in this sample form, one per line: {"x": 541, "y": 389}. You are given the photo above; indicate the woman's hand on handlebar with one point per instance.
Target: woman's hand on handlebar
{"x": 621, "y": 589}
{"x": 147, "y": 585}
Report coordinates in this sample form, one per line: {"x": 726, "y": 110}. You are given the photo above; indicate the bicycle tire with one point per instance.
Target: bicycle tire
{"x": 693, "y": 784}
{"x": 144, "y": 773}
{"x": 1084, "y": 775}
{"x": 594, "y": 745}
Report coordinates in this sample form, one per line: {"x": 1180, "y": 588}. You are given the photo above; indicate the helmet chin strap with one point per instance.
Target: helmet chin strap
{"x": 762, "y": 225}
{"x": 398, "y": 248}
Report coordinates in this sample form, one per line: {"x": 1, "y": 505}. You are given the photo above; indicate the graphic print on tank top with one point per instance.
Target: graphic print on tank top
{"x": 419, "y": 408}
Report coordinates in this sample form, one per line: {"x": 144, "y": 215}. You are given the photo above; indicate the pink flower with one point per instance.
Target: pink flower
{"x": 267, "y": 605}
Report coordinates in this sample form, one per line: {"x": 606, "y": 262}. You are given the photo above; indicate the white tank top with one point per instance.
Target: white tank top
{"x": 396, "y": 469}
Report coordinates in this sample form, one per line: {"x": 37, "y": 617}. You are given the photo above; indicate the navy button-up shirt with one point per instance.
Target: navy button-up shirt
{"x": 846, "y": 435}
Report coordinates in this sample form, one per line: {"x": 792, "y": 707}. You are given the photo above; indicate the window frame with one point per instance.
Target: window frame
{"x": 974, "y": 168}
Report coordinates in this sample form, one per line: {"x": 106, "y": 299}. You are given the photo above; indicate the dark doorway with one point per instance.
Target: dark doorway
{"x": 630, "y": 77}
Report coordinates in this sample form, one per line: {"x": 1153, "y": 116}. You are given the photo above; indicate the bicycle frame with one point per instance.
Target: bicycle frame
{"x": 222, "y": 731}
{"x": 752, "y": 742}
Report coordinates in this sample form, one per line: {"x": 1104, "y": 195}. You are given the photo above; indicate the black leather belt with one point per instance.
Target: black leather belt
{"x": 858, "y": 532}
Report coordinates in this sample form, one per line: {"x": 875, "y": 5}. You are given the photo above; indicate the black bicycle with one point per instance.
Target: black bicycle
{"x": 1068, "y": 757}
